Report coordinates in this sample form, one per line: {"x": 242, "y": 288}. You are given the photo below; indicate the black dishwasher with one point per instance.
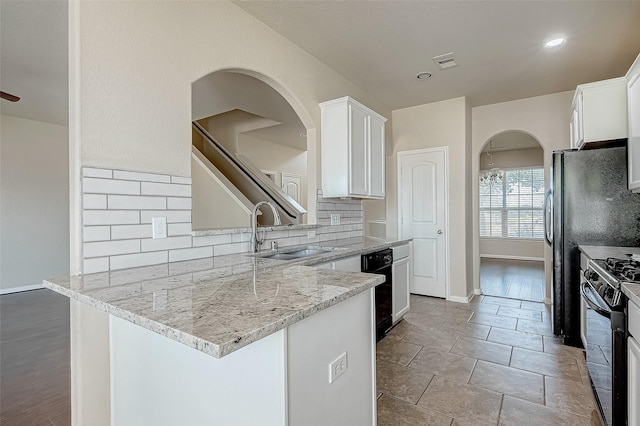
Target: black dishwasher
{"x": 380, "y": 262}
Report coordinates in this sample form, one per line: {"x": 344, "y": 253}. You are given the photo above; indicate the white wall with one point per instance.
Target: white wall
{"x": 280, "y": 158}
{"x": 426, "y": 126}
{"x": 546, "y": 118}
{"x": 34, "y": 202}
{"x": 529, "y": 157}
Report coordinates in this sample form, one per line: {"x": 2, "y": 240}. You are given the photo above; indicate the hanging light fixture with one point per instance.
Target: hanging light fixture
{"x": 492, "y": 176}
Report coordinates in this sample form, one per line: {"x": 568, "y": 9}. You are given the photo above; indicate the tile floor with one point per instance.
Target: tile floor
{"x": 518, "y": 279}
{"x": 493, "y": 361}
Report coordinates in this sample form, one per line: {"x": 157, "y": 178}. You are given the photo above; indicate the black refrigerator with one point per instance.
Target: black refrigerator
{"x": 588, "y": 204}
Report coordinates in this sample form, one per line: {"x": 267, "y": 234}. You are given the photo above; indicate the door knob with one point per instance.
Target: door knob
{"x": 439, "y": 231}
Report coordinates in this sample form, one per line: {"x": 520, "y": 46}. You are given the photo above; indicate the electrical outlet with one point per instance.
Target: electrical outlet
{"x": 335, "y": 218}
{"x": 159, "y": 227}
{"x": 311, "y": 234}
{"x": 337, "y": 367}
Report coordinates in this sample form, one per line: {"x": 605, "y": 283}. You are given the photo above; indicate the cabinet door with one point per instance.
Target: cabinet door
{"x": 633, "y": 103}
{"x": 376, "y": 156}
{"x": 633, "y": 382}
{"x": 358, "y": 164}
{"x": 577, "y": 120}
{"x": 400, "y": 295}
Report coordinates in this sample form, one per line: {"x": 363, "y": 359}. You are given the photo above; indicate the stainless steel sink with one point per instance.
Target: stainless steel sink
{"x": 297, "y": 253}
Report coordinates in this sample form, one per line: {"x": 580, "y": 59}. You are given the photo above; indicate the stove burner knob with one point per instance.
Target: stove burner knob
{"x": 591, "y": 275}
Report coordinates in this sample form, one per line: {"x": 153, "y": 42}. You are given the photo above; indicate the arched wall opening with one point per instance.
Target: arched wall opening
{"x": 509, "y": 186}
{"x": 252, "y": 115}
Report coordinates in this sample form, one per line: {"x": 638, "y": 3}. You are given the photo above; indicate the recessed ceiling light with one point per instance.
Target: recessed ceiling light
{"x": 556, "y": 42}
{"x": 423, "y": 75}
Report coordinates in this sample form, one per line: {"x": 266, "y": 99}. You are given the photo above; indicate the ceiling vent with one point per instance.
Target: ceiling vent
{"x": 445, "y": 61}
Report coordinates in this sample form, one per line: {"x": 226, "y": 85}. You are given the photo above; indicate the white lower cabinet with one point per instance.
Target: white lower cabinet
{"x": 400, "y": 282}
{"x": 633, "y": 365}
{"x": 633, "y": 382}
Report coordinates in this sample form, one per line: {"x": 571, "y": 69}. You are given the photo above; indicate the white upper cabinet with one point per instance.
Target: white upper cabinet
{"x": 353, "y": 156}
{"x": 599, "y": 112}
{"x": 633, "y": 102}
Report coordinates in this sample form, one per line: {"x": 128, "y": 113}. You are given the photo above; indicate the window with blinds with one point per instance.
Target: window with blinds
{"x": 514, "y": 207}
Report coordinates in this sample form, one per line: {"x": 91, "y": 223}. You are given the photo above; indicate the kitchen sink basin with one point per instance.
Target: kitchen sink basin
{"x": 297, "y": 253}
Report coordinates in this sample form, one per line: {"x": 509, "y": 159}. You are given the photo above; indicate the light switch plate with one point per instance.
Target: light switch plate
{"x": 159, "y": 226}
{"x": 335, "y": 218}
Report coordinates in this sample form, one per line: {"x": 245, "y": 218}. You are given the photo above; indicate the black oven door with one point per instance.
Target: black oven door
{"x": 606, "y": 356}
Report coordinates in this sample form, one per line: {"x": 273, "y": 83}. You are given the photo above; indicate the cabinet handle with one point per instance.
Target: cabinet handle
{"x": 439, "y": 231}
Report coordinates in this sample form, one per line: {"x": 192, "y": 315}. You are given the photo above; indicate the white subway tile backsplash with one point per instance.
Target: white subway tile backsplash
{"x": 167, "y": 189}
{"x": 181, "y": 180}
{"x": 98, "y": 173}
{"x": 190, "y": 253}
{"x": 96, "y": 233}
{"x": 97, "y": 264}
{"x": 108, "y": 248}
{"x": 123, "y": 232}
{"x": 173, "y": 216}
{"x": 94, "y": 201}
{"x": 211, "y": 240}
{"x": 241, "y": 237}
{"x": 175, "y": 229}
{"x": 175, "y": 203}
{"x": 147, "y": 177}
{"x": 132, "y": 202}
{"x": 110, "y": 186}
{"x": 327, "y": 237}
{"x": 138, "y": 259}
{"x": 166, "y": 243}
{"x": 110, "y": 217}
{"x": 223, "y": 249}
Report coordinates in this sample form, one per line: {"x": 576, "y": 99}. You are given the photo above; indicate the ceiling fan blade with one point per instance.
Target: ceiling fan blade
{"x": 9, "y": 97}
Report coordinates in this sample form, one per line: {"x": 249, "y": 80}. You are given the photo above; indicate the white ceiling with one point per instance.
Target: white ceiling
{"x": 382, "y": 45}
{"x": 378, "y": 45}
{"x": 33, "y": 59}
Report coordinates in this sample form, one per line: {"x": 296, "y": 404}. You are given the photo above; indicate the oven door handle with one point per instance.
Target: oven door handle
{"x": 592, "y": 305}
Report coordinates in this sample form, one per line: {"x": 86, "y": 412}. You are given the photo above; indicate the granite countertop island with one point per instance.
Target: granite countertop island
{"x": 631, "y": 290}
{"x": 220, "y": 304}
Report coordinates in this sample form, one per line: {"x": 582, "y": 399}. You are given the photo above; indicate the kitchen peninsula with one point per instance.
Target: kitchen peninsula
{"x": 237, "y": 339}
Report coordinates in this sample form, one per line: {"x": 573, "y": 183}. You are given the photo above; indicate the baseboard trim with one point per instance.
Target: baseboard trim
{"x": 477, "y": 291}
{"x": 508, "y": 257}
{"x": 461, "y": 299}
{"x": 21, "y": 288}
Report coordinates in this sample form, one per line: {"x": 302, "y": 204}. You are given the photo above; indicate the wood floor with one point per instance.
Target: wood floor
{"x": 34, "y": 359}
{"x": 515, "y": 279}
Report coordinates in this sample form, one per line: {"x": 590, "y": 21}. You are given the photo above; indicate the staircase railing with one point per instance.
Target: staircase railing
{"x": 250, "y": 180}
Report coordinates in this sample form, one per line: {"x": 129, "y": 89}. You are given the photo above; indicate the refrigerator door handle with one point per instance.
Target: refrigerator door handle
{"x": 548, "y": 217}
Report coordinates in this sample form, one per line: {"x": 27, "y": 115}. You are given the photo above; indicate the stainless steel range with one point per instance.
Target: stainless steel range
{"x": 605, "y": 332}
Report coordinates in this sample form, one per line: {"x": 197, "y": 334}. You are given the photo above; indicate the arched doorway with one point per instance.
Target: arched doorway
{"x": 511, "y": 189}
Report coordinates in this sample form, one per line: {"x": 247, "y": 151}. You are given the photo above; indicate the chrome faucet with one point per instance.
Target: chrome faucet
{"x": 255, "y": 241}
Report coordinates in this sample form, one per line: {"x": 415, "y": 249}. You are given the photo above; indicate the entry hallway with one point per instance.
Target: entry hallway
{"x": 492, "y": 361}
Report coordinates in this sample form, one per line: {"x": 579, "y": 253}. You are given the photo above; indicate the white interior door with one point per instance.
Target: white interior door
{"x": 422, "y": 205}
{"x": 292, "y": 186}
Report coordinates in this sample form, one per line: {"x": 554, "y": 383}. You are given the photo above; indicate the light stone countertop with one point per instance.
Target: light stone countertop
{"x": 220, "y": 304}
{"x": 632, "y": 291}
